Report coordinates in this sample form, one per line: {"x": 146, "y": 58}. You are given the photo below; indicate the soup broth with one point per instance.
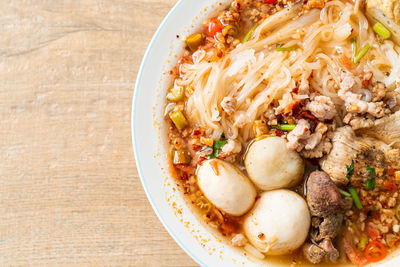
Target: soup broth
{"x": 298, "y": 101}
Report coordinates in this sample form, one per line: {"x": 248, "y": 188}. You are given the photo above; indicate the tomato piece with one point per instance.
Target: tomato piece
{"x": 375, "y": 251}
{"x": 213, "y": 28}
{"x": 269, "y": 1}
{"x": 389, "y": 185}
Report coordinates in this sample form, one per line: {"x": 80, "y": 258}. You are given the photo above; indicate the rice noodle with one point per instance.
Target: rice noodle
{"x": 256, "y": 75}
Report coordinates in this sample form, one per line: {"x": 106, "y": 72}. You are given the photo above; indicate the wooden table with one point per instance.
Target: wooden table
{"x": 69, "y": 189}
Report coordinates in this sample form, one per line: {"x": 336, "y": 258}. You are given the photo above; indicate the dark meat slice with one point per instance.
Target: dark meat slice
{"x": 348, "y": 203}
{"x": 323, "y": 196}
{"x": 327, "y": 227}
{"x": 330, "y": 227}
{"x": 316, "y": 221}
{"x": 313, "y": 253}
{"x": 319, "y": 253}
{"x": 326, "y": 207}
{"x": 332, "y": 254}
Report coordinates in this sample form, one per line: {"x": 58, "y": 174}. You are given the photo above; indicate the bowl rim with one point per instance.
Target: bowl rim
{"x": 161, "y": 218}
{"x": 133, "y": 134}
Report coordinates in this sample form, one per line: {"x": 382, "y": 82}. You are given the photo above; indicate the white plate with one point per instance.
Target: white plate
{"x": 203, "y": 244}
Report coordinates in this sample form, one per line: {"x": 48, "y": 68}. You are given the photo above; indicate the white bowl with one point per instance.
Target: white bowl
{"x": 183, "y": 223}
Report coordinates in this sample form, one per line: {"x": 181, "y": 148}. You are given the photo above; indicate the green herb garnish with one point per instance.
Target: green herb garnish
{"x": 356, "y": 199}
{"x": 250, "y": 33}
{"x": 284, "y": 127}
{"x": 362, "y": 53}
{"x": 370, "y": 184}
{"x": 381, "y": 30}
{"x": 344, "y": 193}
{"x": 350, "y": 170}
{"x": 217, "y": 147}
{"x": 354, "y": 42}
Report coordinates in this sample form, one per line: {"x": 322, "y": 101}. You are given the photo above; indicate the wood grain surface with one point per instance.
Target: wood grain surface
{"x": 70, "y": 194}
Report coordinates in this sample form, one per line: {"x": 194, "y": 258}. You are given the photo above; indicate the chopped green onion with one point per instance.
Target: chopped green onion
{"x": 350, "y": 170}
{"x": 194, "y": 41}
{"x": 363, "y": 242}
{"x": 344, "y": 193}
{"x": 176, "y": 93}
{"x": 230, "y": 29}
{"x": 219, "y": 144}
{"x": 285, "y": 127}
{"x": 381, "y": 30}
{"x": 178, "y": 119}
{"x": 370, "y": 170}
{"x": 354, "y": 42}
{"x": 217, "y": 147}
{"x": 356, "y": 199}
{"x": 370, "y": 184}
{"x": 280, "y": 48}
{"x": 250, "y": 33}
{"x": 362, "y": 53}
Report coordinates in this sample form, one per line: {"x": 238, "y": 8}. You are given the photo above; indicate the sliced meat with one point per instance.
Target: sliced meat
{"x": 319, "y": 151}
{"x": 348, "y": 203}
{"x": 301, "y": 138}
{"x": 297, "y": 137}
{"x": 330, "y": 227}
{"x": 387, "y": 130}
{"x": 327, "y": 208}
{"x": 365, "y": 151}
{"x": 323, "y": 197}
{"x": 313, "y": 141}
{"x": 232, "y": 147}
{"x": 354, "y": 102}
{"x": 332, "y": 254}
{"x": 322, "y": 107}
{"x": 378, "y": 91}
{"x": 358, "y": 122}
{"x": 325, "y": 251}
{"x": 229, "y": 152}
{"x": 313, "y": 253}
{"x": 344, "y": 150}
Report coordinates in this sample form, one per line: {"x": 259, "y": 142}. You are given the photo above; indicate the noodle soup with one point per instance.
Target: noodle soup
{"x": 284, "y": 129}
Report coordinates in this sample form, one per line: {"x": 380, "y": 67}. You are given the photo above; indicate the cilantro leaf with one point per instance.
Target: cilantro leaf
{"x": 217, "y": 147}
{"x": 350, "y": 170}
{"x": 370, "y": 184}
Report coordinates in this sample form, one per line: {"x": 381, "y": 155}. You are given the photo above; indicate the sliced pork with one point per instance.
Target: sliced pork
{"x": 364, "y": 151}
